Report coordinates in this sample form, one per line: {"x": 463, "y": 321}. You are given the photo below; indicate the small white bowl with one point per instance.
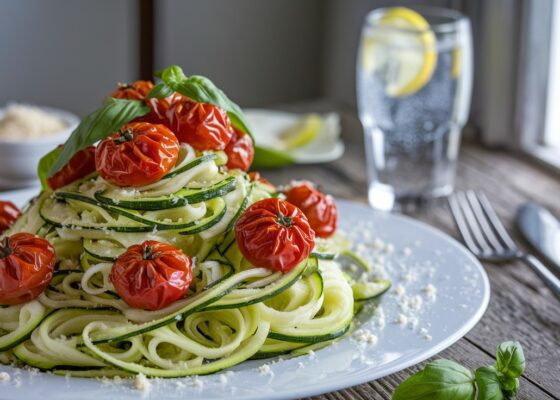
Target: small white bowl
{"x": 19, "y": 159}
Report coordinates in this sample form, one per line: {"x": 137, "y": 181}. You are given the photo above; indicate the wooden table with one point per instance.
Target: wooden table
{"x": 521, "y": 307}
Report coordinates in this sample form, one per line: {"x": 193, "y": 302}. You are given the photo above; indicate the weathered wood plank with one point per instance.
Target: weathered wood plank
{"x": 521, "y": 307}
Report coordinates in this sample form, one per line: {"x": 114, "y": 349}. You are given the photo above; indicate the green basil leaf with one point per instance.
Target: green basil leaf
{"x": 510, "y": 387}
{"x": 98, "y": 125}
{"x": 266, "y": 157}
{"x": 203, "y": 90}
{"x": 45, "y": 164}
{"x": 160, "y": 91}
{"x": 488, "y": 384}
{"x": 510, "y": 360}
{"x": 439, "y": 380}
{"x": 171, "y": 75}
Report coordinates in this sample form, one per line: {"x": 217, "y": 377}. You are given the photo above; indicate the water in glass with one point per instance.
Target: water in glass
{"x": 413, "y": 89}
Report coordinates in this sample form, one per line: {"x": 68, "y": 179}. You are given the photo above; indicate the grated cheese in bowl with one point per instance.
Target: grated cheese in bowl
{"x": 25, "y": 122}
{"x": 27, "y": 133}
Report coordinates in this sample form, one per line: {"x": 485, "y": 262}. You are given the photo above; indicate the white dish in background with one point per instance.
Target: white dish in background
{"x": 267, "y": 124}
{"x": 19, "y": 159}
{"x": 418, "y": 256}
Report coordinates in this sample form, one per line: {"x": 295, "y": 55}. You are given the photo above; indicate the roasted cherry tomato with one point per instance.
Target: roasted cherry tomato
{"x": 138, "y": 90}
{"x": 203, "y": 126}
{"x": 240, "y": 151}
{"x": 274, "y": 234}
{"x": 319, "y": 208}
{"x": 81, "y": 164}
{"x": 9, "y": 213}
{"x": 140, "y": 154}
{"x": 152, "y": 275}
{"x": 256, "y": 177}
{"x": 26, "y": 267}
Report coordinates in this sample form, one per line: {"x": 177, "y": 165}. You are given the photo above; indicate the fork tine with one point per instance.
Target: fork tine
{"x": 495, "y": 221}
{"x": 473, "y": 223}
{"x": 482, "y": 219}
{"x": 462, "y": 224}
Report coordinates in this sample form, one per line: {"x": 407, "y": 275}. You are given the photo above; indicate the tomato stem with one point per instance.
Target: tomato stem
{"x": 124, "y": 136}
{"x": 5, "y": 250}
{"x": 124, "y": 85}
{"x": 285, "y": 221}
{"x": 147, "y": 253}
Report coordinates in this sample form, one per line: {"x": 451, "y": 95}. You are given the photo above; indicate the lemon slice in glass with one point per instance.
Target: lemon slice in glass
{"x": 401, "y": 49}
{"x": 456, "y": 63}
{"x": 303, "y": 132}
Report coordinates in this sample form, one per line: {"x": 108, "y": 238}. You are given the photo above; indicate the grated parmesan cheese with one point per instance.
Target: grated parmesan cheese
{"x": 4, "y": 377}
{"x": 430, "y": 291}
{"x": 389, "y": 248}
{"x": 142, "y": 383}
{"x": 265, "y": 370}
{"x": 415, "y": 302}
{"x": 23, "y": 122}
{"x": 365, "y": 336}
{"x": 198, "y": 383}
{"x": 401, "y": 319}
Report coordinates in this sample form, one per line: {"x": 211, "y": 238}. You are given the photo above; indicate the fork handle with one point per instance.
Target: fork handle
{"x": 544, "y": 273}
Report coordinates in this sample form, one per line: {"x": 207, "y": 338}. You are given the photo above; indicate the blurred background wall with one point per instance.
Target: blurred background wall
{"x": 259, "y": 52}
{"x": 66, "y": 53}
{"x": 70, "y": 53}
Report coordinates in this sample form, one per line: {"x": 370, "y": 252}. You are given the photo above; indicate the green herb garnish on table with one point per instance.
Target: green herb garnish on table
{"x": 448, "y": 380}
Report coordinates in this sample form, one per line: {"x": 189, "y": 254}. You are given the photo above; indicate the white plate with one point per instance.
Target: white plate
{"x": 422, "y": 255}
{"x": 267, "y": 124}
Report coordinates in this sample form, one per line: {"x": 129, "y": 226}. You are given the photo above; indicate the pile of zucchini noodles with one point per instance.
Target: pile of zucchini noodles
{"x": 234, "y": 311}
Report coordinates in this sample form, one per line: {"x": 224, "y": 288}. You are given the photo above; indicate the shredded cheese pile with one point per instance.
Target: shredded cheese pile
{"x": 23, "y": 122}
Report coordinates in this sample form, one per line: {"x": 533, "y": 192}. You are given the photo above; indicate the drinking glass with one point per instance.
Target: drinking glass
{"x": 413, "y": 89}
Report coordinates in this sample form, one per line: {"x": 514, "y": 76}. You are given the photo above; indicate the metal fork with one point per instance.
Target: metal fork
{"x": 486, "y": 237}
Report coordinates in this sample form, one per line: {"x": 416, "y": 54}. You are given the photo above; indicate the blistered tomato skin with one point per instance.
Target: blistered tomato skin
{"x": 319, "y": 208}
{"x": 240, "y": 151}
{"x": 274, "y": 234}
{"x": 26, "y": 267}
{"x": 138, "y": 90}
{"x": 256, "y": 177}
{"x": 152, "y": 275}
{"x": 80, "y": 165}
{"x": 9, "y": 213}
{"x": 140, "y": 154}
{"x": 203, "y": 126}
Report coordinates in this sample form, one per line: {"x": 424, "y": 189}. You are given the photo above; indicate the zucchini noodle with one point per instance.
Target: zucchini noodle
{"x": 232, "y": 312}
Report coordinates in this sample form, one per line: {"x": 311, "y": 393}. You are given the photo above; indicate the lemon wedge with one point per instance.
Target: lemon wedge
{"x": 303, "y": 132}
{"x": 456, "y": 63}
{"x": 401, "y": 48}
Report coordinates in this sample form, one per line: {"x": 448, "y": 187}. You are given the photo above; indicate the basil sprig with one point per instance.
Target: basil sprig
{"x": 439, "y": 380}
{"x": 447, "y": 380}
{"x": 199, "y": 89}
{"x": 488, "y": 384}
{"x": 510, "y": 360}
{"x": 94, "y": 127}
